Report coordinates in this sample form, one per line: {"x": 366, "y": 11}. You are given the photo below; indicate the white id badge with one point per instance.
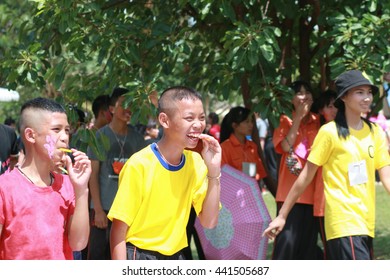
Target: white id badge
{"x": 249, "y": 168}
{"x": 357, "y": 173}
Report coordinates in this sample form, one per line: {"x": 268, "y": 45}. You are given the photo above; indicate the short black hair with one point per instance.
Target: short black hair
{"x": 40, "y": 103}
{"x": 176, "y": 93}
{"x": 43, "y": 104}
{"x": 323, "y": 101}
{"x": 116, "y": 93}
{"x": 214, "y": 117}
{"x": 9, "y": 121}
{"x": 100, "y": 103}
{"x": 296, "y": 86}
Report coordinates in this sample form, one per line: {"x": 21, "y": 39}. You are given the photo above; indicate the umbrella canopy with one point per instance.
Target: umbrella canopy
{"x": 243, "y": 218}
{"x": 7, "y": 95}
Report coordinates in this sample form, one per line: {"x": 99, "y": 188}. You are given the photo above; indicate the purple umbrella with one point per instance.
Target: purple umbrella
{"x": 242, "y": 220}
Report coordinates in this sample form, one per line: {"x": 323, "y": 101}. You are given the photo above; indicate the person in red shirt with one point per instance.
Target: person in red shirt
{"x": 293, "y": 139}
{"x": 215, "y": 128}
{"x": 237, "y": 150}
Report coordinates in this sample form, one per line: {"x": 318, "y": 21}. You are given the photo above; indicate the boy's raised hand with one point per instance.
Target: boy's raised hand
{"x": 211, "y": 153}
{"x": 80, "y": 171}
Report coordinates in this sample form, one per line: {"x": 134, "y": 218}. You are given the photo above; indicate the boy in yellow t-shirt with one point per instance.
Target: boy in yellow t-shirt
{"x": 159, "y": 184}
{"x": 349, "y": 149}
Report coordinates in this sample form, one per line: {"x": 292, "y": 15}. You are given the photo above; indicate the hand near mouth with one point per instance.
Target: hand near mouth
{"x": 79, "y": 170}
{"x": 211, "y": 153}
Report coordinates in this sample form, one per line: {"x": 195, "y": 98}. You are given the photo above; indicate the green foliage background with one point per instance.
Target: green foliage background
{"x": 75, "y": 50}
{"x": 240, "y": 51}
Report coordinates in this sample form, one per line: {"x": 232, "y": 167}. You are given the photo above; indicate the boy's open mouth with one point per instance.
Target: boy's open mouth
{"x": 193, "y": 136}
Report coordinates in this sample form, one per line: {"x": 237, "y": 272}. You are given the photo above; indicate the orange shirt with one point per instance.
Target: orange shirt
{"x": 234, "y": 154}
{"x": 305, "y": 137}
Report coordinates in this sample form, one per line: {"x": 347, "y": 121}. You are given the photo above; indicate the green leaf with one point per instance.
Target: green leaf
{"x": 267, "y": 52}
{"x": 59, "y": 74}
{"x": 253, "y": 57}
{"x": 349, "y": 11}
{"x": 206, "y": 9}
{"x": 227, "y": 10}
{"x": 373, "y": 6}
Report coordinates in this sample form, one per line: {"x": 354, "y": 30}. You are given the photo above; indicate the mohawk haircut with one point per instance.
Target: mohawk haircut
{"x": 39, "y": 104}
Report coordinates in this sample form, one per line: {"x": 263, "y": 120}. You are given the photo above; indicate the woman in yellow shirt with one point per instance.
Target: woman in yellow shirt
{"x": 349, "y": 149}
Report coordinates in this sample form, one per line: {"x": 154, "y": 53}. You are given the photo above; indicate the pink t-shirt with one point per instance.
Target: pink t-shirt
{"x": 381, "y": 120}
{"x": 35, "y": 219}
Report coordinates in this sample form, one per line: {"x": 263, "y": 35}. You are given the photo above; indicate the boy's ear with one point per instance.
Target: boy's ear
{"x": 111, "y": 109}
{"x": 29, "y": 134}
{"x": 164, "y": 120}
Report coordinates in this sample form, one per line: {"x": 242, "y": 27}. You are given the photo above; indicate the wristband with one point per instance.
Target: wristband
{"x": 214, "y": 178}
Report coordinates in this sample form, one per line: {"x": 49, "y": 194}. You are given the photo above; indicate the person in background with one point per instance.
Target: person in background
{"x": 124, "y": 141}
{"x": 101, "y": 111}
{"x": 10, "y": 122}
{"x": 44, "y": 214}
{"x": 214, "y": 129}
{"x": 324, "y": 106}
{"x": 101, "y": 117}
{"x": 9, "y": 148}
{"x": 262, "y": 128}
{"x": 349, "y": 149}
{"x": 380, "y": 119}
{"x": 159, "y": 184}
{"x": 272, "y": 159}
{"x": 237, "y": 150}
{"x": 77, "y": 123}
{"x": 292, "y": 140}
{"x": 151, "y": 132}
{"x": 385, "y": 91}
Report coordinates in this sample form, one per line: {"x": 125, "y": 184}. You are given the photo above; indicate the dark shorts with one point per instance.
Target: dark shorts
{"x": 135, "y": 253}
{"x": 298, "y": 239}
{"x": 358, "y": 247}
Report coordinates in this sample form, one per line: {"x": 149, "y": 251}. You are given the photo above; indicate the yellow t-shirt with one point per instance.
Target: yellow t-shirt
{"x": 154, "y": 199}
{"x": 349, "y": 210}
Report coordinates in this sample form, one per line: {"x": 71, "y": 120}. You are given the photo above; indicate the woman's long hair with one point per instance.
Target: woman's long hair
{"x": 236, "y": 115}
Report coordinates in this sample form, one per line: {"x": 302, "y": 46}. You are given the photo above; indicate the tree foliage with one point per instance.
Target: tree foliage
{"x": 76, "y": 50}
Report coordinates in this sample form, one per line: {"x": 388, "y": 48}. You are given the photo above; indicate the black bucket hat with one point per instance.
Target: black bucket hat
{"x": 351, "y": 79}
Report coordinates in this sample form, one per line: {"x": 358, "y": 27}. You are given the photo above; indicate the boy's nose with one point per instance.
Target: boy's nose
{"x": 198, "y": 123}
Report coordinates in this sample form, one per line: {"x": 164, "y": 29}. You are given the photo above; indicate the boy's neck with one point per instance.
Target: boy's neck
{"x": 39, "y": 174}
{"x": 169, "y": 151}
{"x": 118, "y": 127}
